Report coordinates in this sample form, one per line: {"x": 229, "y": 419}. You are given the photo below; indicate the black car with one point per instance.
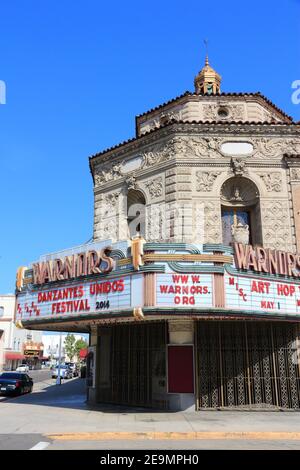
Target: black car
{"x": 15, "y": 383}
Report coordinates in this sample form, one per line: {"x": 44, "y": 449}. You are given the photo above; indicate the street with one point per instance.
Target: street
{"x": 57, "y": 417}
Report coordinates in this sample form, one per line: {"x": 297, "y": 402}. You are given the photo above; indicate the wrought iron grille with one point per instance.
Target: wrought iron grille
{"x": 137, "y": 365}
{"x": 247, "y": 365}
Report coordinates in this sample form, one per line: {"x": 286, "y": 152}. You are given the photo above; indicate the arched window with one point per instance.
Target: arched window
{"x": 241, "y": 220}
{"x": 136, "y": 213}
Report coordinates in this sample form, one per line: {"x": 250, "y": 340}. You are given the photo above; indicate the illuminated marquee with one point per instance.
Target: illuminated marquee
{"x": 86, "y": 298}
{"x": 266, "y": 260}
{"x": 74, "y": 266}
{"x": 184, "y": 290}
{"x": 256, "y": 281}
{"x": 246, "y": 293}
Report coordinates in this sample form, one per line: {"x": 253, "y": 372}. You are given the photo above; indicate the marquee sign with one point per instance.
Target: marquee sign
{"x": 252, "y": 294}
{"x": 266, "y": 260}
{"x": 99, "y": 280}
{"x": 246, "y": 293}
{"x": 184, "y": 290}
{"x": 80, "y": 264}
{"x": 70, "y": 301}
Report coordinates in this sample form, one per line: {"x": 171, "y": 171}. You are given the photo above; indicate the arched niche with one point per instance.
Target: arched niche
{"x": 136, "y": 213}
{"x": 240, "y": 208}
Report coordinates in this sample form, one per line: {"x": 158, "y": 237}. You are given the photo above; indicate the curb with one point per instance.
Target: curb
{"x": 109, "y": 436}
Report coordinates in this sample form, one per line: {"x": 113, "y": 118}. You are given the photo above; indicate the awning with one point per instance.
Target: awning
{"x": 12, "y": 356}
{"x": 83, "y": 353}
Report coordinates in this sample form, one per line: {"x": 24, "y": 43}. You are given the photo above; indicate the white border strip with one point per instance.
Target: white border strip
{"x": 40, "y": 446}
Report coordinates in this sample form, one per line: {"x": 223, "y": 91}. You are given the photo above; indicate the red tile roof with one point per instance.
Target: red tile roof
{"x": 188, "y": 93}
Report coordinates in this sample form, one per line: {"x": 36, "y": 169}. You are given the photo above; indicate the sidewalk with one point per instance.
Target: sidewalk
{"x": 61, "y": 412}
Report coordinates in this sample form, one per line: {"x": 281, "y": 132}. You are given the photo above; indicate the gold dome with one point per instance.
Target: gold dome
{"x": 207, "y": 80}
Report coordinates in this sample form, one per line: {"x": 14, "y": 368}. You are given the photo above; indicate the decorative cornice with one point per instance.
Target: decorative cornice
{"x": 128, "y": 148}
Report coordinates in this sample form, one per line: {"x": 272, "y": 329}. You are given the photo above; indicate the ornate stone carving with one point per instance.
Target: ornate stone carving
{"x": 198, "y": 147}
{"x": 240, "y": 191}
{"x": 108, "y": 172}
{"x": 236, "y": 196}
{"x": 155, "y": 187}
{"x": 276, "y": 225}
{"x": 213, "y": 232}
{"x": 110, "y": 202}
{"x": 166, "y": 117}
{"x": 272, "y": 147}
{"x": 240, "y": 233}
{"x": 238, "y": 166}
{"x": 131, "y": 182}
{"x": 272, "y": 181}
{"x": 235, "y": 112}
{"x": 295, "y": 174}
{"x": 159, "y": 154}
{"x": 209, "y": 112}
{"x": 205, "y": 180}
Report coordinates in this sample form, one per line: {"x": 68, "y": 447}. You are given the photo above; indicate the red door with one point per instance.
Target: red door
{"x": 180, "y": 369}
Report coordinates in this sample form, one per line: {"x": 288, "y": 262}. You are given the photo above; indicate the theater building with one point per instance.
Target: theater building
{"x": 190, "y": 289}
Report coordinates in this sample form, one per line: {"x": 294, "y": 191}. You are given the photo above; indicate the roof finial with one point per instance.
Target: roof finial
{"x": 206, "y": 48}
{"x": 208, "y": 80}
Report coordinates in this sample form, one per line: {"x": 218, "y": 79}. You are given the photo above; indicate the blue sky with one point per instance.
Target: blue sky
{"x": 77, "y": 72}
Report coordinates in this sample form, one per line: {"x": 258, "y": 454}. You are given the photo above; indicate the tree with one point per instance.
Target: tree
{"x": 70, "y": 346}
{"x": 80, "y": 344}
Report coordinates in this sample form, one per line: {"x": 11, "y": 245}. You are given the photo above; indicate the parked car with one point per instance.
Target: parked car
{"x": 74, "y": 368}
{"x": 15, "y": 383}
{"x": 65, "y": 372}
{"x": 22, "y": 368}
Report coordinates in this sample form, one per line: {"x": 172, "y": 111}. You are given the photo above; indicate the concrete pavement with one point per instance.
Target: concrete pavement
{"x": 61, "y": 415}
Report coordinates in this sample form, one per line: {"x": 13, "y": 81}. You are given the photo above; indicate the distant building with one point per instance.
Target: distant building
{"x": 18, "y": 345}
{"x": 51, "y": 346}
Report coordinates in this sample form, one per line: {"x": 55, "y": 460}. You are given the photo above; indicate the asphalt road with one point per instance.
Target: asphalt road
{"x": 40, "y": 375}
{"x": 57, "y": 417}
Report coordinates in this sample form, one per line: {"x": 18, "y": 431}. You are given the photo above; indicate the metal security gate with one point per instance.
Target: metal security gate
{"x": 137, "y": 370}
{"x": 247, "y": 365}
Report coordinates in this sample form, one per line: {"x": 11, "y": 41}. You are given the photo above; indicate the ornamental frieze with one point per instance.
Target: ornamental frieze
{"x": 109, "y": 172}
{"x": 235, "y": 112}
{"x": 238, "y": 166}
{"x": 295, "y": 174}
{"x": 111, "y": 201}
{"x": 205, "y": 180}
{"x": 265, "y": 147}
{"x": 155, "y": 187}
{"x": 273, "y": 181}
{"x": 194, "y": 147}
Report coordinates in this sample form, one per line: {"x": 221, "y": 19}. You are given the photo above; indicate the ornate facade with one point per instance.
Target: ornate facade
{"x": 190, "y": 289}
